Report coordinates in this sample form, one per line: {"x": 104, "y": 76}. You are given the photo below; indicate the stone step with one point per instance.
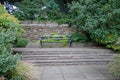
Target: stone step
{"x": 68, "y": 56}
{"x": 49, "y": 55}
{"x": 52, "y": 51}
{"x": 60, "y": 50}
{"x": 62, "y": 58}
{"x": 64, "y": 52}
{"x": 69, "y": 62}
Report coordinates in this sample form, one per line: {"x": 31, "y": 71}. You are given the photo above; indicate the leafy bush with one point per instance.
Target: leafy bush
{"x": 98, "y": 19}
{"x": 105, "y": 36}
{"x": 29, "y": 10}
{"x": 114, "y": 68}
{"x": 21, "y": 42}
{"x": 9, "y": 31}
{"x": 7, "y": 63}
{"x": 37, "y": 10}
{"x": 52, "y": 10}
{"x": 79, "y": 37}
{"x": 44, "y": 10}
{"x": 9, "y": 23}
{"x": 115, "y": 46}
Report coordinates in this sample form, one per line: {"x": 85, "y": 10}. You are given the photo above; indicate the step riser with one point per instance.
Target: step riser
{"x": 68, "y": 56}
{"x": 69, "y": 60}
{"x": 68, "y": 63}
{"x": 61, "y": 58}
{"x": 73, "y": 55}
{"x": 51, "y": 53}
{"x": 62, "y": 64}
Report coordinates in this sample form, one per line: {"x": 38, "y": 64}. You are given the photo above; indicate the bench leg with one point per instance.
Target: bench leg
{"x": 41, "y": 44}
{"x": 70, "y": 44}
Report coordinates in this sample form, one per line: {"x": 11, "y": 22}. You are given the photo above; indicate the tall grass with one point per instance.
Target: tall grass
{"x": 26, "y": 71}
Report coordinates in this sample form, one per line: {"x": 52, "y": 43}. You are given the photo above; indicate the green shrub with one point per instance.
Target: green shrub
{"x": 114, "y": 68}
{"x": 115, "y": 47}
{"x": 9, "y": 24}
{"x": 98, "y": 19}
{"x": 10, "y": 30}
{"x": 77, "y": 37}
{"x": 104, "y": 36}
{"x": 29, "y": 9}
{"x": 32, "y": 10}
{"x": 7, "y": 63}
{"x": 21, "y": 42}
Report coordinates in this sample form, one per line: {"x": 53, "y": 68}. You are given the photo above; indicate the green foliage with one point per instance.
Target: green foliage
{"x": 7, "y": 60}
{"x": 104, "y": 36}
{"x": 29, "y": 9}
{"x": 2, "y": 10}
{"x": 9, "y": 31}
{"x": 7, "y": 63}
{"x": 114, "y": 68}
{"x": 79, "y": 37}
{"x": 32, "y": 10}
{"x": 114, "y": 46}
{"x": 8, "y": 23}
{"x": 21, "y": 42}
{"x": 100, "y": 19}
{"x": 51, "y": 12}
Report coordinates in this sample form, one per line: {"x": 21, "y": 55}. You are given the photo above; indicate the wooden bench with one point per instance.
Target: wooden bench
{"x": 55, "y": 38}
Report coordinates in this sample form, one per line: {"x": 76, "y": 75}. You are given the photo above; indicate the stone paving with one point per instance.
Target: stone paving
{"x": 74, "y": 72}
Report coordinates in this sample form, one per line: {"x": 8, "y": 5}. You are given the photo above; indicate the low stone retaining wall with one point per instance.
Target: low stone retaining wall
{"x": 35, "y": 30}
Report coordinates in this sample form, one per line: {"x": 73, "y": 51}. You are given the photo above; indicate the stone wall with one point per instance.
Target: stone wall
{"x": 35, "y": 30}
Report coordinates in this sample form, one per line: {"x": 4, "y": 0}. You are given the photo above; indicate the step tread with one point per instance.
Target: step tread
{"x": 72, "y": 60}
{"x": 56, "y": 49}
{"x": 69, "y": 55}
